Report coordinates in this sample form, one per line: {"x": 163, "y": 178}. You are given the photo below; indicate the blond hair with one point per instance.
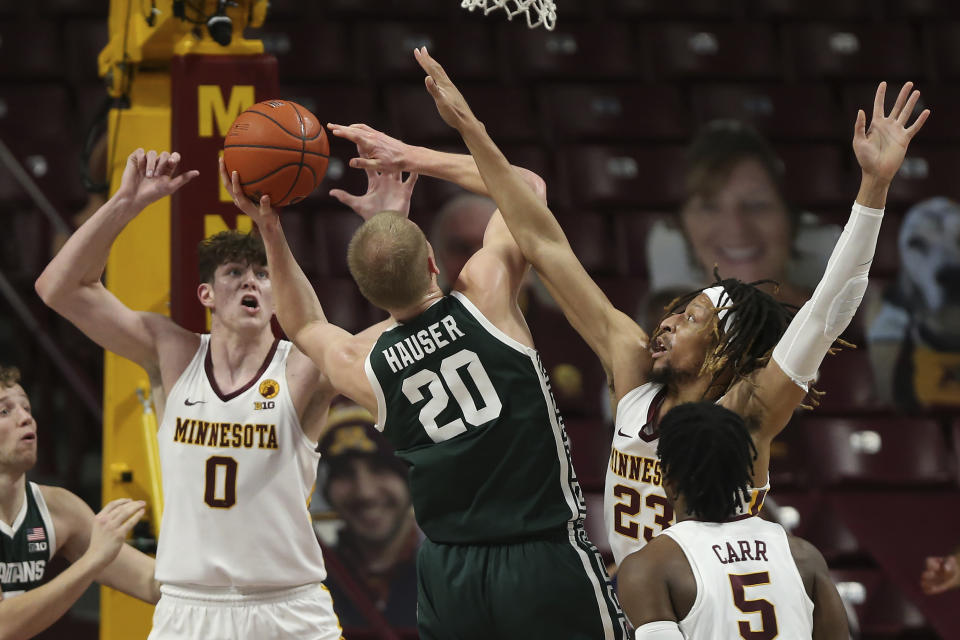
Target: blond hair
{"x": 387, "y": 257}
{"x": 9, "y": 376}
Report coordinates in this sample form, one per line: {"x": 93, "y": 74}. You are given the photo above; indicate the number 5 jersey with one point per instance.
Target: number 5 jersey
{"x": 471, "y": 410}
{"x": 238, "y": 472}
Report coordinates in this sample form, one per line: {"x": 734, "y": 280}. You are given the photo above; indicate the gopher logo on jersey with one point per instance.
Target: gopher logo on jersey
{"x": 269, "y": 388}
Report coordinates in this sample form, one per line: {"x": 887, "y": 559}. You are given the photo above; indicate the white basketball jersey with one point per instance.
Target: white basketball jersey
{"x": 748, "y": 584}
{"x": 237, "y": 474}
{"x": 635, "y": 506}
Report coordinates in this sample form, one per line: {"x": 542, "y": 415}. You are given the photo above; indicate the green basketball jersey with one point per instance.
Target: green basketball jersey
{"x": 471, "y": 410}
{"x": 27, "y": 546}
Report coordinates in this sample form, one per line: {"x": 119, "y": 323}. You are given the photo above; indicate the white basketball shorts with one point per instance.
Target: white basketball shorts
{"x": 301, "y": 613}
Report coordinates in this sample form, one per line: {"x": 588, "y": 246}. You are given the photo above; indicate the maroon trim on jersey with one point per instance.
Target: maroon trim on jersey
{"x": 208, "y": 369}
{"x": 653, "y": 418}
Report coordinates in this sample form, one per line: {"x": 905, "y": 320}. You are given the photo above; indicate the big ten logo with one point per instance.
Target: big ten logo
{"x": 34, "y": 547}
{"x": 261, "y": 406}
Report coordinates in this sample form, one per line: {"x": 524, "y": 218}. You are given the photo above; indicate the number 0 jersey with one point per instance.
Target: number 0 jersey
{"x": 237, "y": 474}
{"x": 748, "y": 584}
{"x": 635, "y": 506}
{"x": 471, "y": 410}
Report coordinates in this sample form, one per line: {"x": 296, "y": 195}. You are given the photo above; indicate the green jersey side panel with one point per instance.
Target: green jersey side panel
{"x": 471, "y": 410}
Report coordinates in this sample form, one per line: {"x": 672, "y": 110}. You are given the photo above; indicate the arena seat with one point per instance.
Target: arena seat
{"x": 590, "y": 449}
{"x": 589, "y": 51}
{"x": 817, "y": 176}
{"x": 955, "y": 437}
{"x": 945, "y": 42}
{"x": 309, "y": 51}
{"x": 331, "y": 235}
{"x": 340, "y": 104}
{"x": 882, "y": 51}
{"x": 880, "y": 606}
{"x": 576, "y": 375}
{"x": 342, "y": 303}
{"x": 30, "y": 49}
{"x": 614, "y": 112}
{"x": 339, "y": 176}
{"x": 815, "y": 520}
{"x": 880, "y": 451}
{"x": 297, "y": 228}
{"x": 926, "y": 9}
{"x": 790, "y": 467}
{"x": 414, "y": 118}
{"x": 399, "y": 8}
{"x": 601, "y": 176}
{"x": 83, "y": 42}
{"x": 683, "y": 50}
{"x": 76, "y": 7}
{"x": 945, "y": 97}
{"x": 630, "y": 235}
{"x": 780, "y": 112}
{"x": 45, "y": 106}
{"x": 694, "y": 9}
{"x": 805, "y": 9}
{"x": 624, "y": 292}
{"x": 591, "y": 237}
{"x": 593, "y": 523}
{"x": 466, "y": 52}
{"x": 54, "y": 167}
{"x": 847, "y": 380}
{"x": 926, "y": 172}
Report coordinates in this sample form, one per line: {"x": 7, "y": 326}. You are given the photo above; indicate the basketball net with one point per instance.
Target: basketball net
{"x": 538, "y": 12}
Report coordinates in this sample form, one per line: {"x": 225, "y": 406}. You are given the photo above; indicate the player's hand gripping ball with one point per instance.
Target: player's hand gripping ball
{"x": 279, "y": 149}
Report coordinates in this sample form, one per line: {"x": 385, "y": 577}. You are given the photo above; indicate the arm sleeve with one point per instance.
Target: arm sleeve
{"x": 834, "y": 302}
{"x": 660, "y": 630}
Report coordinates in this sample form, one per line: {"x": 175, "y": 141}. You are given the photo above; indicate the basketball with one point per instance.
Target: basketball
{"x": 279, "y": 149}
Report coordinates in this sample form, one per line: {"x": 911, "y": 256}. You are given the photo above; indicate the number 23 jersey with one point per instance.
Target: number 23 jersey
{"x": 237, "y": 474}
{"x": 471, "y": 410}
{"x": 635, "y": 506}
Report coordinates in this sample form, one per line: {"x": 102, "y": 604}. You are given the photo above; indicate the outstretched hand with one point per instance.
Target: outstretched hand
{"x": 377, "y": 150}
{"x": 386, "y": 191}
{"x": 149, "y": 176}
{"x": 881, "y": 149}
{"x": 451, "y": 104}
{"x": 940, "y": 574}
{"x": 261, "y": 215}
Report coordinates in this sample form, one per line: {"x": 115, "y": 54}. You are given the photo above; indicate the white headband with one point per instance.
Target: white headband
{"x": 720, "y": 298}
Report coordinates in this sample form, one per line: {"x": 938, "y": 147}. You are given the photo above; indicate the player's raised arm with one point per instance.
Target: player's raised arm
{"x": 618, "y": 341}
{"x": 779, "y": 387}
{"x": 71, "y": 284}
{"x": 335, "y": 351}
{"x": 382, "y": 153}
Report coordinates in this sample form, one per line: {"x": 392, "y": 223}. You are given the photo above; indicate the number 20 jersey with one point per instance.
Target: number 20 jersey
{"x": 635, "y": 506}
{"x": 237, "y": 473}
{"x": 471, "y": 411}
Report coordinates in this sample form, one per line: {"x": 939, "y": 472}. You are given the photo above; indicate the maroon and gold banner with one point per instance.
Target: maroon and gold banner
{"x": 207, "y": 92}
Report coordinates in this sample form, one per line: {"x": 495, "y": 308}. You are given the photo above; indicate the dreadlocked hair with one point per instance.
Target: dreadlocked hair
{"x": 745, "y": 338}
{"x": 707, "y": 455}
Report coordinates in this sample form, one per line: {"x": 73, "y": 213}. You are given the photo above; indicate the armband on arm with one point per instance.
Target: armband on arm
{"x": 828, "y": 312}
{"x": 660, "y": 630}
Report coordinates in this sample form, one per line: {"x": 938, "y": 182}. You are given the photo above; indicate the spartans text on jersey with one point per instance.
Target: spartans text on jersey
{"x": 226, "y": 434}
{"x": 411, "y": 349}
{"x": 27, "y": 571}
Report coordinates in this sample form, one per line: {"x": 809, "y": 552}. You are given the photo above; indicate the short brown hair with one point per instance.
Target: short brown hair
{"x": 229, "y": 246}
{"x": 9, "y": 376}
{"x": 387, "y": 257}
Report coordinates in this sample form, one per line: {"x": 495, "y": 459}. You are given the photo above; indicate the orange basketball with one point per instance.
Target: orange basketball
{"x": 279, "y": 149}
